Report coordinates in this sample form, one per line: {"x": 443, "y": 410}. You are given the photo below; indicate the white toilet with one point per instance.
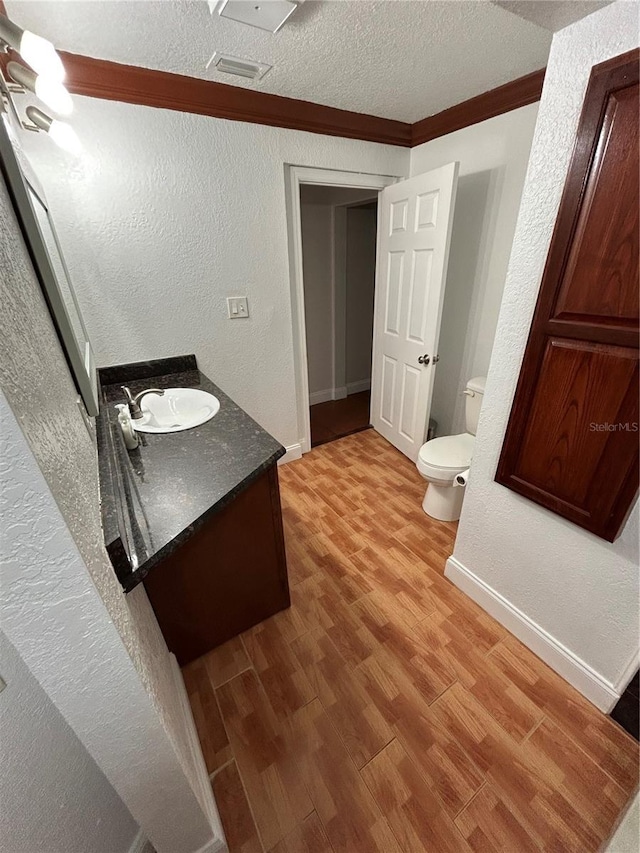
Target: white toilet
{"x": 441, "y": 460}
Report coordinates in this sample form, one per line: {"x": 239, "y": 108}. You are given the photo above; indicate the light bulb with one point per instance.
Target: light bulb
{"x": 54, "y": 95}
{"x": 61, "y": 132}
{"x": 50, "y": 91}
{"x": 41, "y": 55}
{"x": 65, "y": 136}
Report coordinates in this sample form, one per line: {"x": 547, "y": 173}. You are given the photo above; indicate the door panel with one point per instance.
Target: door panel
{"x": 572, "y": 439}
{"x": 577, "y": 406}
{"x": 398, "y": 218}
{"x": 388, "y": 391}
{"x": 394, "y": 292}
{"x": 409, "y": 399}
{"x": 421, "y": 267}
{"x": 427, "y": 210}
{"x": 601, "y": 279}
{"x": 415, "y": 218}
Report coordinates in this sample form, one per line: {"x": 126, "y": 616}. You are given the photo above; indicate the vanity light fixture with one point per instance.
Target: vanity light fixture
{"x": 51, "y": 92}
{"x": 44, "y": 79}
{"x": 36, "y": 51}
{"x": 61, "y": 132}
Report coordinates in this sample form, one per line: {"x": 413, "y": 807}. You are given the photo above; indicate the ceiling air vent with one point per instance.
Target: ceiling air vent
{"x": 240, "y": 67}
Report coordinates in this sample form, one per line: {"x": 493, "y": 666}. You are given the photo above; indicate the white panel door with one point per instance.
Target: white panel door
{"x": 414, "y": 233}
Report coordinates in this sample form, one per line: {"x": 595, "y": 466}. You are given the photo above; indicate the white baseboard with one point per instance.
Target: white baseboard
{"x": 218, "y": 843}
{"x": 321, "y": 396}
{"x": 294, "y": 451}
{"x": 316, "y": 397}
{"x": 627, "y": 673}
{"x": 328, "y": 394}
{"x": 138, "y": 842}
{"x": 357, "y": 387}
{"x": 586, "y": 680}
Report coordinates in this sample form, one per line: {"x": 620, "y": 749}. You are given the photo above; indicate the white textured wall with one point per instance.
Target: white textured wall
{"x": 54, "y": 797}
{"x": 625, "y": 838}
{"x": 493, "y": 159}
{"x": 120, "y": 637}
{"x": 360, "y": 280}
{"x": 581, "y": 590}
{"x": 36, "y": 381}
{"x": 165, "y": 215}
{"x": 317, "y": 270}
{"x": 51, "y": 612}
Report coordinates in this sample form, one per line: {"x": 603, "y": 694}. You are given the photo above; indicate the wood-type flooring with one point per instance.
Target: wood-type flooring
{"x": 385, "y": 711}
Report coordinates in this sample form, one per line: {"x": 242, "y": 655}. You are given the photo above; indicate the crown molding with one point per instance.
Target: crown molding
{"x": 518, "y": 93}
{"x": 100, "y": 78}
{"x": 131, "y": 84}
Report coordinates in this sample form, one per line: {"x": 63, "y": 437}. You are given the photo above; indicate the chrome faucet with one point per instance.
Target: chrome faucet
{"x": 134, "y": 402}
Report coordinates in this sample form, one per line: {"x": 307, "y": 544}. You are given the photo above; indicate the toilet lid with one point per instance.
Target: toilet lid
{"x": 450, "y": 451}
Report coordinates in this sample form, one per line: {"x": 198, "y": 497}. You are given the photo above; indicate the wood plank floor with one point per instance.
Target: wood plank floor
{"x": 337, "y": 418}
{"x": 384, "y": 711}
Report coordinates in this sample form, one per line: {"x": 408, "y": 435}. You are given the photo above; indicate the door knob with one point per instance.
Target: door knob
{"x": 436, "y": 359}
{"x": 423, "y": 359}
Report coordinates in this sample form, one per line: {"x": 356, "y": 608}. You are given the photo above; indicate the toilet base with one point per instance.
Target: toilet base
{"x": 443, "y": 502}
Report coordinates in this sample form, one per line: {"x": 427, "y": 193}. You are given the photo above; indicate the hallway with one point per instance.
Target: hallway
{"x": 338, "y": 418}
{"x": 384, "y": 711}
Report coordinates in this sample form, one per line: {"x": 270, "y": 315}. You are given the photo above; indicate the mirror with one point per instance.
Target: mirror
{"x": 39, "y": 233}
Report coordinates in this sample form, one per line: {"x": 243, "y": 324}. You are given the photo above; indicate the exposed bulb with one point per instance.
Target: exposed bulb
{"x": 51, "y": 92}
{"x": 54, "y": 95}
{"x": 41, "y": 55}
{"x": 65, "y": 136}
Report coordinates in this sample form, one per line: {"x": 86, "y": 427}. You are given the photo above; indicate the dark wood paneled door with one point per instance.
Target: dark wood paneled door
{"x": 572, "y": 439}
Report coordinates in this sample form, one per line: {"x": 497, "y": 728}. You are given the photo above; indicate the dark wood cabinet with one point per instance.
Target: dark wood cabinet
{"x": 230, "y": 575}
{"x": 572, "y": 440}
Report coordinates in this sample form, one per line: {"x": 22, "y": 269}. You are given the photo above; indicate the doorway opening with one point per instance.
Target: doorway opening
{"x": 332, "y": 320}
{"x": 339, "y": 228}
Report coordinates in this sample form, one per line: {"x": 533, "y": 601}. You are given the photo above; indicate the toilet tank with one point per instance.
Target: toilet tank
{"x": 473, "y": 402}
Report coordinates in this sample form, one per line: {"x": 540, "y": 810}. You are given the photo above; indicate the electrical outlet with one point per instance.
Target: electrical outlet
{"x": 237, "y": 307}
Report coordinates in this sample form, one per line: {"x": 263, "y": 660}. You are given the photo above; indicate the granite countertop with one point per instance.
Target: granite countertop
{"x": 156, "y": 496}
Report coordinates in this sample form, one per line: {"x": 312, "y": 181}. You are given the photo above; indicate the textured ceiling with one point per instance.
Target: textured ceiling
{"x": 398, "y": 59}
{"x": 553, "y": 15}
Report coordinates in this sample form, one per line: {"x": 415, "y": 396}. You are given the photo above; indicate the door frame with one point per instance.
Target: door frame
{"x": 295, "y": 176}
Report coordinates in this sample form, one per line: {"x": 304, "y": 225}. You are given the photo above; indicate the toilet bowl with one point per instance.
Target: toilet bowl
{"x": 441, "y": 460}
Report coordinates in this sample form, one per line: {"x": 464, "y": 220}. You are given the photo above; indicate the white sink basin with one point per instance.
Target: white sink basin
{"x": 177, "y": 409}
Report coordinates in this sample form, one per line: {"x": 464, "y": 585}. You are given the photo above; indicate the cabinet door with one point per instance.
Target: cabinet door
{"x": 228, "y": 576}
{"x": 572, "y": 440}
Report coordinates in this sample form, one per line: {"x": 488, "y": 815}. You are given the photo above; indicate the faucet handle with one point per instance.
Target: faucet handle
{"x": 134, "y": 402}
{"x": 134, "y": 409}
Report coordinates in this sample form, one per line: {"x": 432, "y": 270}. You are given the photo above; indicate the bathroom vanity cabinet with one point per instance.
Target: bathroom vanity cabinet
{"x": 194, "y": 515}
{"x": 230, "y": 575}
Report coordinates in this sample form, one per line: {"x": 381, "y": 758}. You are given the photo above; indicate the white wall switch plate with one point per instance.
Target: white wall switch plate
{"x": 237, "y": 307}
